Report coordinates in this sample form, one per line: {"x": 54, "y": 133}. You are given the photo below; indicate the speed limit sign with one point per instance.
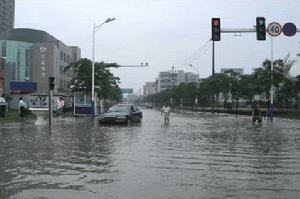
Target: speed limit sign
{"x": 274, "y": 29}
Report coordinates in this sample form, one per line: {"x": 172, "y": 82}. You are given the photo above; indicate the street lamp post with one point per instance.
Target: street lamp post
{"x": 95, "y": 29}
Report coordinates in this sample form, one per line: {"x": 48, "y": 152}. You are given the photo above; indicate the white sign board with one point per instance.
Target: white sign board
{"x": 274, "y": 29}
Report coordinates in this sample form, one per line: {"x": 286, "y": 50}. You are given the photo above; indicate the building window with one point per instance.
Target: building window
{"x": 18, "y": 64}
{"x": 13, "y": 71}
{"x": 27, "y": 62}
{"x": 61, "y": 56}
{"x": 3, "y": 49}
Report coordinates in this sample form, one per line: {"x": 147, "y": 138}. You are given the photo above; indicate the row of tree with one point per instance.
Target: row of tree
{"x": 244, "y": 87}
{"x": 106, "y": 84}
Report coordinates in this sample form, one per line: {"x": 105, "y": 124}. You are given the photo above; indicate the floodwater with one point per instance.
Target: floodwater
{"x": 197, "y": 155}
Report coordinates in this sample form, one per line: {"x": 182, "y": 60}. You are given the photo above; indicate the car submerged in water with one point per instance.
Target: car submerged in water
{"x": 121, "y": 114}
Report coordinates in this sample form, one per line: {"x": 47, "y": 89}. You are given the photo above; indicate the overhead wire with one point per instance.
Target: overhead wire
{"x": 197, "y": 53}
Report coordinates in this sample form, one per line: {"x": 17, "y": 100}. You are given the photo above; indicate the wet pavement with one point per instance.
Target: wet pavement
{"x": 196, "y": 156}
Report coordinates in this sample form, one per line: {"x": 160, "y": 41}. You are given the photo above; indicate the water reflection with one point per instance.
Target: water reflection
{"x": 195, "y": 156}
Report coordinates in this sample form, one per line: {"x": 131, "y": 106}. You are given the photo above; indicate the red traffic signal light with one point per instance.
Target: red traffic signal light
{"x": 216, "y": 29}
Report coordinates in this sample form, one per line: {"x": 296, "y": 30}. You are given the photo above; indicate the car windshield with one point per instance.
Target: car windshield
{"x": 119, "y": 109}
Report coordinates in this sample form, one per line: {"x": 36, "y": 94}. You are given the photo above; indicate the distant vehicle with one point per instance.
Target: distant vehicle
{"x": 121, "y": 114}
{"x": 148, "y": 105}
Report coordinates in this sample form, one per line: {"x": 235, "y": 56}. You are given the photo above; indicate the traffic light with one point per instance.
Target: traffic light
{"x": 216, "y": 29}
{"x": 51, "y": 83}
{"x": 260, "y": 28}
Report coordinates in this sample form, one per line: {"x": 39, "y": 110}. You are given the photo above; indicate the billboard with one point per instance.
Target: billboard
{"x": 126, "y": 90}
{"x": 22, "y": 87}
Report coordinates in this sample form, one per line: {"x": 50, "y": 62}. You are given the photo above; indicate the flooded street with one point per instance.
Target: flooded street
{"x": 197, "y": 155}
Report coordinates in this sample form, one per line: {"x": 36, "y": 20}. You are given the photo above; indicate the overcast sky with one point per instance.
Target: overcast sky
{"x": 164, "y": 32}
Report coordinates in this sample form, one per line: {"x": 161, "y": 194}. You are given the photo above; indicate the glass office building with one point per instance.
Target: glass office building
{"x": 18, "y": 57}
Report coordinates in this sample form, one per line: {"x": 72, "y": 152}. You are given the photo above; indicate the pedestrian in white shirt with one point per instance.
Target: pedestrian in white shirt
{"x": 165, "y": 111}
{"x": 22, "y": 108}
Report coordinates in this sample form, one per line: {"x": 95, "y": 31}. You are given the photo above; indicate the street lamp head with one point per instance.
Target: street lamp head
{"x": 109, "y": 20}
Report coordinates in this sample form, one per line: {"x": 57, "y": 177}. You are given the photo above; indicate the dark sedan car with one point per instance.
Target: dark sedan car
{"x": 121, "y": 114}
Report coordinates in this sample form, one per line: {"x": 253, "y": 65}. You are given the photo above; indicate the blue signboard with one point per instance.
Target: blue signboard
{"x": 22, "y": 87}
{"x": 289, "y": 29}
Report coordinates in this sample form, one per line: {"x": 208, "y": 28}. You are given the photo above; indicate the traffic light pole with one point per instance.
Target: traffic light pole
{"x": 213, "y": 73}
{"x": 238, "y": 30}
{"x": 50, "y": 108}
{"x": 272, "y": 87}
{"x": 51, "y": 87}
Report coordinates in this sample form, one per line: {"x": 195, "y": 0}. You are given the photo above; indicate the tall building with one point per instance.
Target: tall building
{"x": 150, "y": 88}
{"x": 7, "y": 15}
{"x": 191, "y": 77}
{"x": 17, "y": 64}
{"x": 168, "y": 80}
{"x": 165, "y": 80}
{"x": 34, "y": 55}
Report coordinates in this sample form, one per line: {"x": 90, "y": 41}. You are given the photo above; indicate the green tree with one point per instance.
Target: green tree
{"x": 262, "y": 77}
{"x": 106, "y": 84}
{"x": 297, "y": 85}
{"x": 286, "y": 92}
{"x": 248, "y": 87}
{"x": 185, "y": 93}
